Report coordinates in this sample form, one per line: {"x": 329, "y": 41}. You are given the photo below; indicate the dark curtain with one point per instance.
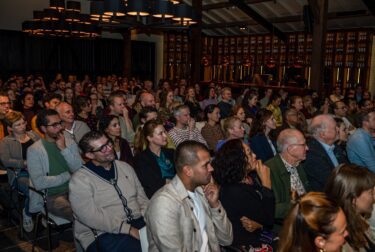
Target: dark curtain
{"x": 23, "y": 54}
{"x": 143, "y": 60}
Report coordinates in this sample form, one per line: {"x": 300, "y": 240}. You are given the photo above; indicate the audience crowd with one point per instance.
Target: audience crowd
{"x": 191, "y": 168}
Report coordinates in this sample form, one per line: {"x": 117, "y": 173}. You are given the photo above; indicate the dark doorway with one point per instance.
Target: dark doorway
{"x": 143, "y": 60}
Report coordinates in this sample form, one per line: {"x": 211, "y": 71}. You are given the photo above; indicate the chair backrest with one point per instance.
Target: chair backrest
{"x": 143, "y": 239}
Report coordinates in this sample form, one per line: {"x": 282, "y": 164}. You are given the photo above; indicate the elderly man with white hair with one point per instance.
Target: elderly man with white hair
{"x": 288, "y": 178}
{"x": 324, "y": 155}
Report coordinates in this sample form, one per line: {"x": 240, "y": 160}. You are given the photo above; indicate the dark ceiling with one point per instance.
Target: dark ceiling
{"x": 225, "y": 17}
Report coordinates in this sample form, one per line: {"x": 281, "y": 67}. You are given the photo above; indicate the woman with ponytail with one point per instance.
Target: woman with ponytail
{"x": 315, "y": 224}
{"x": 154, "y": 166}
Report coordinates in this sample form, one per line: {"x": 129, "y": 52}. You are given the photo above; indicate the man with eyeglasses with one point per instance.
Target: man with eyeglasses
{"x": 288, "y": 178}
{"x": 340, "y": 109}
{"x": 50, "y": 164}
{"x": 107, "y": 199}
{"x": 324, "y": 155}
{"x": 4, "y": 109}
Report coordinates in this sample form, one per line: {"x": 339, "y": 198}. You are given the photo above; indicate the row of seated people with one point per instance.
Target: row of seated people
{"x": 184, "y": 121}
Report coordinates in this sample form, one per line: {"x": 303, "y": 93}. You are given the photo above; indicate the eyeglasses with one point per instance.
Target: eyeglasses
{"x": 342, "y": 107}
{"x": 4, "y": 103}
{"x": 105, "y": 147}
{"x": 55, "y": 125}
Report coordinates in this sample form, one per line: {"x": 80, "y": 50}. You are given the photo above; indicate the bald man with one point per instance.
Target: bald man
{"x": 73, "y": 129}
{"x": 288, "y": 178}
{"x": 324, "y": 155}
{"x": 146, "y": 99}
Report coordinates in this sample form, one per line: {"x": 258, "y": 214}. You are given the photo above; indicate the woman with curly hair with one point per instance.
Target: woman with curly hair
{"x": 315, "y": 223}
{"x": 246, "y": 195}
{"x": 260, "y": 140}
{"x": 352, "y": 187}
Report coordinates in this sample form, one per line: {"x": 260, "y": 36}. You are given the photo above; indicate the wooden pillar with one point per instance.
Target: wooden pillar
{"x": 319, "y": 9}
{"x": 127, "y": 56}
{"x": 196, "y": 43}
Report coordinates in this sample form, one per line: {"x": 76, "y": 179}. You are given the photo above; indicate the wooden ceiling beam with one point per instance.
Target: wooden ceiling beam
{"x": 370, "y": 5}
{"x": 221, "y": 5}
{"x": 290, "y": 19}
{"x": 258, "y": 18}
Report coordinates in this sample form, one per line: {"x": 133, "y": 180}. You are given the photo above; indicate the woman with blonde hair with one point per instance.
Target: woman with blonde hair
{"x": 13, "y": 149}
{"x": 315, "y": 223}
{"x": 352, "y": 187}
{"x": 233, "y": 129}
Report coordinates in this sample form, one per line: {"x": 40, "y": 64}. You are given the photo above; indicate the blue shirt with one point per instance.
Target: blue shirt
{"x": 361, "y": 150}
{"x": 166, "y": 166}
{"x": 329, "y": 150}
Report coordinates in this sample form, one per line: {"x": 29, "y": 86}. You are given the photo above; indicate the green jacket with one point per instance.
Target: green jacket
{"x": 280, "y": 179}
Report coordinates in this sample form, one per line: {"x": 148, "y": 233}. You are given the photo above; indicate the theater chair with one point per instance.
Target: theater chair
{"x": 51, "y": 221}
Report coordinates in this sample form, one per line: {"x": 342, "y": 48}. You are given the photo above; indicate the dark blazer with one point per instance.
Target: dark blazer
{"x": 318, "y": 166}
{"x": 280, "y": 179}
{"x": 148, "y": 171}
{"x": 261, "y": 147}
{"x": 252, "y": 201}
{"x": 126, "y": 153}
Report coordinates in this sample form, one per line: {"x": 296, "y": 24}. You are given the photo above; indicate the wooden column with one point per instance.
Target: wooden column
{"x": 127, "y": 70}
{"x": 196, "y": 43}
{"x": 319, "y": 9}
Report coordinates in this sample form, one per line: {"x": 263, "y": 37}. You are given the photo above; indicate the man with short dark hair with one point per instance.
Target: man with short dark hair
{"x": 50, "y": 101}
{"x": 107, "y": 198}
{"x": 340, "y": 110}
{"x": 50, "y": 162}
{"x": 183, "y": 215}
{"x": 360, "y": 146}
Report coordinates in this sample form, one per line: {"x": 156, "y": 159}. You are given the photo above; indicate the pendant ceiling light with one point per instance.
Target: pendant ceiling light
{"x": 138, "y": 8}
{"x": 51, "y": 14}
{"x": 163, "y": 9}
{"x": 183, "y": 13}
{"x": 57, "y": 21}
{"x": 57, "y": 5}
{"x": 114, "y": 8}
{"x": 73, "y": 6}
{"x": 97, "y": 11}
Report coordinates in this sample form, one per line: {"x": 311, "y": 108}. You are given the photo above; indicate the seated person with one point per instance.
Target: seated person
{"x": 260, "y": 142}
{"x": 287, "y": 176}
{"x": 233, "y": 129}
{"x": 182, "y": 216}
{"x": 323, "y": 155}
{"x": 107, "y": 199}
{"x": 212, "y": 131}
{"x": 50, "y": 163}
{"x": 360, "y": 147}
{"x": 110, "y": 124}
{"x": 13, "y": 149}
{"x": 245, "y": 192}
{"x": 154, "y": 166}
{"x": 185, "y": 127}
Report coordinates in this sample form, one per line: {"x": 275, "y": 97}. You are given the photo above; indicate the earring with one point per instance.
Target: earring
{"x": 322, "y": 250}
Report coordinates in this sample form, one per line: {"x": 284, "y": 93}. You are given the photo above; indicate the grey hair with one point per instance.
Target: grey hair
{"x": 177, "y": 110}
{"x": 284, "y": 142}
{"x": 316, "y": 127}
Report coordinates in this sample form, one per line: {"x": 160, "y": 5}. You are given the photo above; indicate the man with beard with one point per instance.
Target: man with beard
{"x": 50, "y": 164}
{"x": 107, "y": 198}
{"x": 186, "y": 214}
{"x": 4, "y": 108}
